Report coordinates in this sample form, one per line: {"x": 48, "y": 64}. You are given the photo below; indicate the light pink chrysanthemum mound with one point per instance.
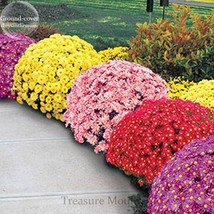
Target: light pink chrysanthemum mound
{"x": 102, "y": 95}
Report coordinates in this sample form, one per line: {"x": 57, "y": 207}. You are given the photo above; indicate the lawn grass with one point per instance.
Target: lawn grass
{"x": 113, "y": 23}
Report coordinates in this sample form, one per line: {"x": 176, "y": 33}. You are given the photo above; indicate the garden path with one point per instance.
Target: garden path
{"x": 43, "y": 170}
{"x": 192, "y": 3}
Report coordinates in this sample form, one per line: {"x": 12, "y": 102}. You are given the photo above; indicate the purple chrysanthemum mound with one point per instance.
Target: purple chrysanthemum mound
{"x": 12, "y": 47}
{"x": 186, "y": 184}
{"x": 102, "y": 95}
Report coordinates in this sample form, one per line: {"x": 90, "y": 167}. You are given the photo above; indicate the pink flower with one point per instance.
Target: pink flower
{"x": 185, "y": 184}
{"x": 102, "y": 95}
{"x": 12, "y": 47}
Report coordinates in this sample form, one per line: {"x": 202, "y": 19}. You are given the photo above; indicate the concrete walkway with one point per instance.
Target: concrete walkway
{"x": 44, "y": 171}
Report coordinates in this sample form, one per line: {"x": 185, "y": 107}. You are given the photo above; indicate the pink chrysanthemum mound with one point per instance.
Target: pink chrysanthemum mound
{"x": 186, "y": 183}
{"x": 147, "y": 138}
{"x": 102, "y": 95}
{"x": 12, "y": 47}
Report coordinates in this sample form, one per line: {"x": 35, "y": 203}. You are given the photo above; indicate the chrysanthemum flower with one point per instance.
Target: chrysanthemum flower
{"x": 117, "y": 53}
{"x": 45, "y": 74}
{"x": 102, "y": 95}
{"x": 202, "y": 92}
{"x": 178, "y": 86}
{"x": 146, "y": 139}
{"x": 186, "y": 183}
{"x": 12, "y": 47}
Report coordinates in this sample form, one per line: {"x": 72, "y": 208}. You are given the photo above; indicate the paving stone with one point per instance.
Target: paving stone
{"x": 69, "y": 204}
{"x": 44, "y": 170}
{"x": 21, "y": 122}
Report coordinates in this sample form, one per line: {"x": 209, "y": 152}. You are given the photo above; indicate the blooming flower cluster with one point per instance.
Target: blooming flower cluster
{"x": 202, "y": 92}
{"x": 102, "y": 95}
{"x": 185, "y": 184}
{"x": 178, "y": 86}
{"x": 45, "y": 73}
{"x": 147, "y": 138}
{"x": 12, "y": 47}
{"x": 117, "y": 53}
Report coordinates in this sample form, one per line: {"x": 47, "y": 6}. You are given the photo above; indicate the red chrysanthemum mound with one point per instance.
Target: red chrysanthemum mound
{"x": 102, "y": 95}
{"x": 186, "y": 183}
{"x": 12, "y": 47}
{"x": 146, "y": 139}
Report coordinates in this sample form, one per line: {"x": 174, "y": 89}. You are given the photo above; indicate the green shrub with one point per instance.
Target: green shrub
{"x": 103, "y": 44}
{"x": 171, "y": 48}
{"x": 139, "y": 204}
{"x": 44, "y": 31}
{"x": 3, "y": 2}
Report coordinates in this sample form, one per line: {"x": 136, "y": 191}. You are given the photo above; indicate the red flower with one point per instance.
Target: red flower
{"x": 146, "y": 139}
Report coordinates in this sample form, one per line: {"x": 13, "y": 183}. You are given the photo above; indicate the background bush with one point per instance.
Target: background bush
{"x": 44, "y": 31}
{"x": 171, "y": 48}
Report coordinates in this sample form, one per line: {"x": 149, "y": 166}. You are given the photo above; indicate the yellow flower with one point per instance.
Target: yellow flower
{"x": 38, "y": 88}
{"x": 48, "y": 115}
{"x": 25, "y": 77}
{"x": 25, "y": 86}
{"x": 57, "y": 98}
{"x": 117, "y": 53}
{"x": 202, "y": 92}
{"x": 43, "y": 110}
{"x": 23, "y": 96}
{"x": 35, "y": 106}
{"x": 19, "y": 100}
{"x": 29, "y": 101}
{"x": 34, "y": 96}
{"x": 46, "y": 72}
{"x": 48, "y": 99}
{"x": 48, "y": 107}
{"x": 42, "y": 97}
{"x": 41, "y": 79}
{"x": 178, "y": 87}
{"x": 32, "y": 85}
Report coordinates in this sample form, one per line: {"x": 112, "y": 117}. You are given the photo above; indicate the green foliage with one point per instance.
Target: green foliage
{"x": 3, "y": 2}
{"x": 139, "y": 204}
{"x": 173, "y": 49}
{"x": 101, "y": 44}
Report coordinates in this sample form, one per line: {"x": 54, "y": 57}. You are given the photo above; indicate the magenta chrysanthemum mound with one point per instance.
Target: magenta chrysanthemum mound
{"x": 147, "y": 138}
{"x": 102, "y": 95}
{"x": 12, "y": 47}
{"x": 186, "y": 183}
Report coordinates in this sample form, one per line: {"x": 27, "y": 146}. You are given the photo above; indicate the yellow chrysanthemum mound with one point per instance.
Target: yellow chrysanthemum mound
{"x": 117, "y": 53}
{"x": 45, "y": 73}
{"x": 178, "y": 86}
{"x": 202, "y": 92}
